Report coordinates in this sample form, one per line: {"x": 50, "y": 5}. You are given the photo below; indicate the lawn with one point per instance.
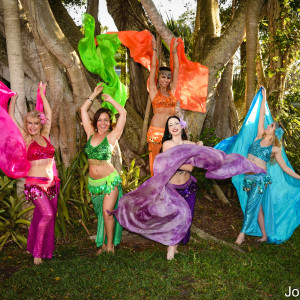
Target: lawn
{"x": 202, "y": 270}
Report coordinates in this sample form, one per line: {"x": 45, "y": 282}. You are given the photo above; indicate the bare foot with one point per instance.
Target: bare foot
{"x": 110, "y": 249}
{"x": 263, "y": 239}
{"x": 240, "y": 239}
{"x": 37, "y": 260}
{"x": 101, "y": 250}
{"x": 172, "y": 250}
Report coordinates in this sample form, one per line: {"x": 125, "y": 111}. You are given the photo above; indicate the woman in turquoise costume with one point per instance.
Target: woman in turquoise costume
{"x": 271, "y": 201}
{"x": 104, "y": 182}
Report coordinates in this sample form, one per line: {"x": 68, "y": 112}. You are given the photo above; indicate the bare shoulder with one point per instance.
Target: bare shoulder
{"x": 167, "y": 145}
{"x": 276, "y": 149}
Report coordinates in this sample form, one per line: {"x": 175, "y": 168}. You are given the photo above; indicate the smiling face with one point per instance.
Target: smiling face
{"x": 33, "y": 125}
{"x": 271, "y": 129}
{"x": 103, "y": 122}
{"x": 164, "y": 78}
{"x": 174, "y": 126}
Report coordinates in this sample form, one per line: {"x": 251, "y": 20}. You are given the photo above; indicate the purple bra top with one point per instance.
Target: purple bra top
{"x": 36, "y": 151}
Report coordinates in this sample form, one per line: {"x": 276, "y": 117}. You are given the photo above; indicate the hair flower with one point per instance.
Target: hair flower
{"x": 183, "y": 123}
{"x": 43, "y": 118}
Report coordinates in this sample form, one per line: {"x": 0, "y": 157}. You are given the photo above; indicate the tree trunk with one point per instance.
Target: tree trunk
{"x": 14, "y": 53}
{"x": 57, "y": 55}
{"x": 92, "y": 9}
{"x": 253, "y": 13}
{"x": 133, "y": 18}
{"x": 222, "y": 119}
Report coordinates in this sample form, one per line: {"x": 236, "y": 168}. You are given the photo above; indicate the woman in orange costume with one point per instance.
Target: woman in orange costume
{"x": 162, "y": 96}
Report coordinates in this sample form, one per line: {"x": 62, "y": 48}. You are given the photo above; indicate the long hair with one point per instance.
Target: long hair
{"x": 276, "y": 142}
{"x": 167, "y": 135}
{"x": 97, "y": 115}
{"x": 34, "y": 114}
{"x": 160, "y": 70}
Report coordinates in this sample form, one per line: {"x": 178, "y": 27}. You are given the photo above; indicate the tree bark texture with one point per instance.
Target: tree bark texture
{"x": 133, "y": 18}
{"x": 92, "y": 9}
{"x": 15, "y": 55}
{"x": 223, "y": 116}
{"x": 253, "y": 13}
{"x": 62, "y": 67}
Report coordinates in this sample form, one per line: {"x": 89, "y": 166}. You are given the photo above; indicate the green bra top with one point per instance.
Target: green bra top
{"x": 100, "y": 152}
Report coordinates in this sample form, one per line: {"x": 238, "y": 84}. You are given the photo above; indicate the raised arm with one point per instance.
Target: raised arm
{"x": 11, "y": 112}
{"x": 47, "y": 109}
{"x": 152, "y": 83}
{"x": 261, "y": 122}
{"x": 86, "y": 122}
{"x": 175, "y": 67}
{"x": 282, "y": 164}
{"x": 116, "y": 133}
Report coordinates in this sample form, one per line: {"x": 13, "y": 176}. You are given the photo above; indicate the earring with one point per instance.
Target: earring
{"x": 169, "y": 135}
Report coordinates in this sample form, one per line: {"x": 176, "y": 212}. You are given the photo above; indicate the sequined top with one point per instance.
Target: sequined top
{"x": 263, "y": 153}
{"x": 161, "y": 100}
{"x": 100, "y": 152}
{"x": 36, "y": 151}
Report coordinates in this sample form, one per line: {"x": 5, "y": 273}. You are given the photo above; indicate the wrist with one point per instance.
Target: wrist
{"x": 91, "y": 99}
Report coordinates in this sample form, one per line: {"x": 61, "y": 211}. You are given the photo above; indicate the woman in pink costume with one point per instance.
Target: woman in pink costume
{"x": 41, "y": 186}
{"x": 162, "y": 96}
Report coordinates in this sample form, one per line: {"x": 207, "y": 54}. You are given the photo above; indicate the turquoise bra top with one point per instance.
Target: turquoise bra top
{"x": 100, "y": 152}
{"x": 263, "y": 153}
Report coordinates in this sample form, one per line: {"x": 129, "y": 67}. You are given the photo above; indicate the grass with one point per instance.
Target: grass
{"x": 202, "y": 271}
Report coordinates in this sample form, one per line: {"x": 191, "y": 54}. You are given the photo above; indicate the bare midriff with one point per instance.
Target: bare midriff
{"x": 259, "y": 162}
{"x": 100, "y": 168}
{"x": 161, "y": 116}
{"x": 183, "y": 176}
{"x": 41, "y": 168}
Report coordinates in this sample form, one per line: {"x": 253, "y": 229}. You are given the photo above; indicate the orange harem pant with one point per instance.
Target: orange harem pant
{"x": 154, "y": 138}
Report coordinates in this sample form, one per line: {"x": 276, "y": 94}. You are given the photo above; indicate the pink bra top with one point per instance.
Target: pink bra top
{"x": 36, "y": 151}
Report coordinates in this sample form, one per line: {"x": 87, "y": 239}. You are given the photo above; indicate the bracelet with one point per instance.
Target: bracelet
{"x": 174, "y": 51}
{"x": 154, "y": 49}
{"x": 91, "y": 99}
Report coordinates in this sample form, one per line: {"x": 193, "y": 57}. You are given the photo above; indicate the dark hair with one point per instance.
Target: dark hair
{"x": 164, "y": 69}
{"x": 167, "y": 135}
{"x": 98, "y": 113}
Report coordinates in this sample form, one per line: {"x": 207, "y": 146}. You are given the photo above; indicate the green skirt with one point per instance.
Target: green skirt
{"x": 98, "y": 188}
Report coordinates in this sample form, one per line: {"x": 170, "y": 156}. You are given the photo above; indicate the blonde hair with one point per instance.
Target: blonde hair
{"x": 276, "y": 143}
{"x": 34, "y": 114}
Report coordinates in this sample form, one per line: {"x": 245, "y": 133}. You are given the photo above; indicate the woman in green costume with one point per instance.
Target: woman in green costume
{"x": 104, "y": 181}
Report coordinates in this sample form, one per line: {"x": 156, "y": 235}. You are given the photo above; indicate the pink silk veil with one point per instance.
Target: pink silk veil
{"x": 13, "y": 158}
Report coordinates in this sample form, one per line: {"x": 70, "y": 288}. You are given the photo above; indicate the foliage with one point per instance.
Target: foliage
{"x": 74, "y": 202}
{"x": 11, "y": 213}
{"x": 131, "y": 177}
{"x": 290, "y": 118}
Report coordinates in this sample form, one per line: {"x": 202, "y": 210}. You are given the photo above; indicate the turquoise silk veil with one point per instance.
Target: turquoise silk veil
{"x": 284, "y": 190}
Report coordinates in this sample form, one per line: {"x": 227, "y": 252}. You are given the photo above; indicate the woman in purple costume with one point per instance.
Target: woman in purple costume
{"x": 161, "y": 209}
{"x": 41, "y": 186}
{"x": 182, "y": 181}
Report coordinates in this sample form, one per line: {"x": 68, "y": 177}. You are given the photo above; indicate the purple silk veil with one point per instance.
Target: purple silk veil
{"x": 13, "y": 161}
{"x": 156, "y": 210}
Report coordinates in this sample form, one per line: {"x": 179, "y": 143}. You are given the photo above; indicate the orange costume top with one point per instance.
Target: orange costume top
{"x": 161, "y": 100}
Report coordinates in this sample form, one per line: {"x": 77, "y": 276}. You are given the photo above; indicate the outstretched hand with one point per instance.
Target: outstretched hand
{"x": 42, "y": 87}
{"x": 176, "y": 43}
{"x": 15, "y": 96}
{"x": 107, "y": 98}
